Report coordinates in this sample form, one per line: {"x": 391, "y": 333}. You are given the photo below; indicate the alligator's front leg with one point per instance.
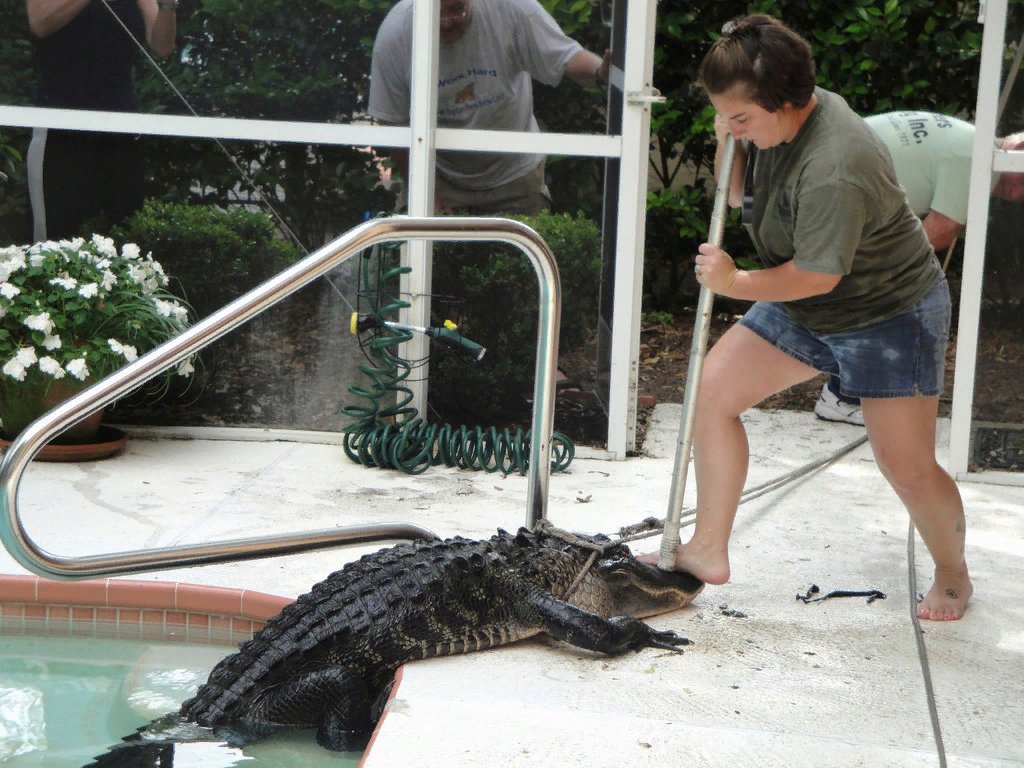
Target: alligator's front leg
{"x": 584, "y": 629}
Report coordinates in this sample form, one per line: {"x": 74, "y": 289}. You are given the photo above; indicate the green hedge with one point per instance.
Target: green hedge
{"x": 491, "y": 292}
{"x": 215, "y": 255}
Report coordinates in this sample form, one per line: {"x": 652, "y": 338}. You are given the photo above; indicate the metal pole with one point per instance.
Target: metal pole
{"x": 698, "y": 346}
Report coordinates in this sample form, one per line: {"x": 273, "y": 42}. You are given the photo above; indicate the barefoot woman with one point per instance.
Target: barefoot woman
{"x": 850, "y": 286}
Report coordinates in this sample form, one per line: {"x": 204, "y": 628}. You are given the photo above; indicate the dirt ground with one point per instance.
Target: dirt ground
{"x": 664, "y": 358}
{"x": 999, "y": 396}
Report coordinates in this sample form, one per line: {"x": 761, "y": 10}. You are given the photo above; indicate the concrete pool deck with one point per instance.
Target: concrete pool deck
{"x": 769, "y": 681}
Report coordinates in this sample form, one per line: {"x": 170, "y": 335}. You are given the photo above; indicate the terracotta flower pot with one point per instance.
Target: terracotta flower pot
{"x": 21, "y": 403}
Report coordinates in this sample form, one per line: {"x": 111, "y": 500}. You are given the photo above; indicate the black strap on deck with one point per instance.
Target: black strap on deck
{"x": 814, "y": 595}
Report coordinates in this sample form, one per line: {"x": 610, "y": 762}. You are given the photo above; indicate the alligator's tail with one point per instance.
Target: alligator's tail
{"x": 159, "y": 743}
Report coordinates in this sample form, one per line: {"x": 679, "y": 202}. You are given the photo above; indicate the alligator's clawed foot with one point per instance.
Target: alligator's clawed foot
{"x": 667, "y": 640}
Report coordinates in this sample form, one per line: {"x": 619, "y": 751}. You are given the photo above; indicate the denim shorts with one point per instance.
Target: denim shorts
{"x": 899, "y": 357}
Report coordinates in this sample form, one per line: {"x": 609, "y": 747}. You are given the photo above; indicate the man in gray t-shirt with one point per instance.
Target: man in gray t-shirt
{"x": 491, "y": 51}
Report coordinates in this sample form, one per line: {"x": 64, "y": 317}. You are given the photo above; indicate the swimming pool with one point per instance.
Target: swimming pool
{"x": 79, "y": 669}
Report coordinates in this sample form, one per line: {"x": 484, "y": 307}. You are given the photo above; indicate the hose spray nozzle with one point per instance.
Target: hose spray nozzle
{"x": 447, "y": 334}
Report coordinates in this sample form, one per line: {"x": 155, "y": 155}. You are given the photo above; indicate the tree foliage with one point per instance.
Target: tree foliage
{"x": 310, "y": 60}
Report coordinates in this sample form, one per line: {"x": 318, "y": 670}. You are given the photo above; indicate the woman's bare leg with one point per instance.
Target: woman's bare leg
{"x": 902, "y": 435}
{"x": 740, "y": 370}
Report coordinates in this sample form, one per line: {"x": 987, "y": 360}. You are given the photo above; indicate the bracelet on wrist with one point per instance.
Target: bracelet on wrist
{"x": 167, "y": 5}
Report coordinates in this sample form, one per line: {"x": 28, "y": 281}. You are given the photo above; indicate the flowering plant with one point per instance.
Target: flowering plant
{"x": 79, "y": 309}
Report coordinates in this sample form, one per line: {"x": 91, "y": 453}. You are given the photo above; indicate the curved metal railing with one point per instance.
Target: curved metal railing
{"x": 27, "y": 553}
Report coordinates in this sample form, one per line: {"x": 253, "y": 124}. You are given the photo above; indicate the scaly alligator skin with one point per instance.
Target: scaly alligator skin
{"x": 327, "y": 660}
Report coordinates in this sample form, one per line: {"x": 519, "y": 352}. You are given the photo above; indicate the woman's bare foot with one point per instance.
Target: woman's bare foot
{"x": 710, "y": 567}
{"x": 948, "y": 597}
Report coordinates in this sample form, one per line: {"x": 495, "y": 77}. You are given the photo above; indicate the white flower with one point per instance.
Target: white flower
{"x": 86, "y": 271}
{"x": 185, "y": 368}
{"x": 65, "y": 282}
{"x": 40, "y": 322}
{"x": 125, "y": 350}
{"x": 78, "y": 369}
{"x": 13, "y": 260}
{"x": 26, "y": 356}
{"x": 51, "y": 367}
{"x": 105, "y": 246}
{"x": 14, "y": 369}
{"x": 137, "y": 274}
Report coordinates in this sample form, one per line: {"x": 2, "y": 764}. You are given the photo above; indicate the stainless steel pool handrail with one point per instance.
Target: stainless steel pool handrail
{"x": 32, "y": 439}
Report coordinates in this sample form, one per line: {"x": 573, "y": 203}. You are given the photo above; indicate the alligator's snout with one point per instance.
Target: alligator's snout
{"x": 641, "y": 590}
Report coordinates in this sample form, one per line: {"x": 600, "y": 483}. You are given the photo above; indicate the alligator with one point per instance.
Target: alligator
{"x": 326, "y": 662}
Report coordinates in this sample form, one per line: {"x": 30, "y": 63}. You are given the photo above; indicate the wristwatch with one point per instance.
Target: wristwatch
{"x": 167, "y": 5}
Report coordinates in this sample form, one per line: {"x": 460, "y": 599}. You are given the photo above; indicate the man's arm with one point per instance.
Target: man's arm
{"x": 47, "y": 16}
{"x": 588, "y": 69}
{"x": 941, "y": 230}
{"x": 161, "y": 26}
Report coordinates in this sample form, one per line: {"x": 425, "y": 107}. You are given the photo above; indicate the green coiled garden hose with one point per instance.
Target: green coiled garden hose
{"x": 394, "y": 436}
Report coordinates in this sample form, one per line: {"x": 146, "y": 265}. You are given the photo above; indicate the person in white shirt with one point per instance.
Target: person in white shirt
{"x": 932, "y": 155}
{"x": 491, "y": 51}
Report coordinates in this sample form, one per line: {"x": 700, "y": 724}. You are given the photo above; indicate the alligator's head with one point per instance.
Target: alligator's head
{"x": 641, "y": 590}
{"x": 627, "y": 586}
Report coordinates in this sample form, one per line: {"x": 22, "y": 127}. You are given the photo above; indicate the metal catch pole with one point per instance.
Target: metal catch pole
{"x": 698, "y": 347}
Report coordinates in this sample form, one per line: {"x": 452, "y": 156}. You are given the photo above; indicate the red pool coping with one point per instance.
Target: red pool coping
{"x": 133, "y": 609}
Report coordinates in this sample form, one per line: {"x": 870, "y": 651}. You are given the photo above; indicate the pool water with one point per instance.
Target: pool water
{"x": 64, "y": 700}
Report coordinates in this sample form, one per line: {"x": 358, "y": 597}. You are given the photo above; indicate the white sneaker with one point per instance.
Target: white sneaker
{"x": 831, "y": 408}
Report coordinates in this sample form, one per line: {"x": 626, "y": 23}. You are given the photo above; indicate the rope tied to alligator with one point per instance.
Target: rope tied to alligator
{"x": 649, "y": 526}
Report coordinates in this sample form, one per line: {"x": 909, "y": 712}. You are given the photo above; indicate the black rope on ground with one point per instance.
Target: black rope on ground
{"x": 813, "y": 595}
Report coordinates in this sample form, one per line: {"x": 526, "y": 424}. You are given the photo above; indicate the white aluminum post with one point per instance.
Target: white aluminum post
{"x": 638, "y": 95}
{"x": 993, "y": 43}
{"x": 416, "y": 286}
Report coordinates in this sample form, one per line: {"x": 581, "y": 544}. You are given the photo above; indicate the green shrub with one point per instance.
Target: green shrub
{"x": 216, "y": 255}
{"x": 490, "y": 290}
{"x": 15, "y": 223}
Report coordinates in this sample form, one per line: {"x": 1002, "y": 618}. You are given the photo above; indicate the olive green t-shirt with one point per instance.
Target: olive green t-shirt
{"x": 830, "y": 202}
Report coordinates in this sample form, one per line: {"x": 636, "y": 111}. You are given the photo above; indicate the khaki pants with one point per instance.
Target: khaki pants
{"x": 526, "y": 195}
